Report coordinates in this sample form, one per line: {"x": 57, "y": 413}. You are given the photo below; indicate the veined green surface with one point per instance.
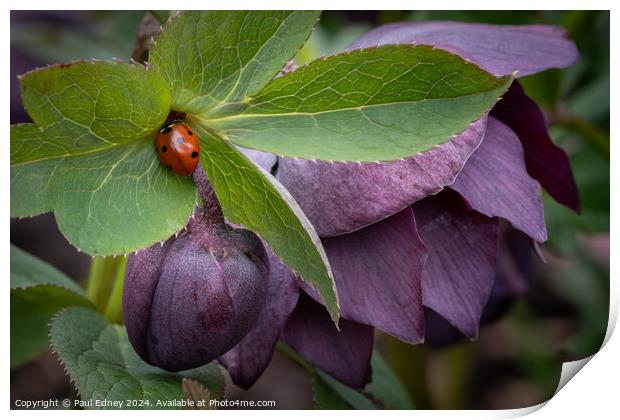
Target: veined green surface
{"x": 375, "y": 104}
{"x": 213, "y": 58}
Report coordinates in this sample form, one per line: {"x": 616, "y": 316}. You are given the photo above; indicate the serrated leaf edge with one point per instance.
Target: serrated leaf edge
{"x": 509, "y": 79}
{"x": 74, "y": 381}
{"x": 63, "y": 288}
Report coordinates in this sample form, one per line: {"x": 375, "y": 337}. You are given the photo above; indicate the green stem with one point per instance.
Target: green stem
{"x": 114, "y": 308}
{"x": 100, "y": 280}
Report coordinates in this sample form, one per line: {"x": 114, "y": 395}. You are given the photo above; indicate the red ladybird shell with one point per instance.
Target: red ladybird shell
{"x": 178, "y": 148}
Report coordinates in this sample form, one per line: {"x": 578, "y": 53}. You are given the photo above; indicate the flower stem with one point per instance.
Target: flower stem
{"x": 101, "y": 280}
{"x": 114, "y": 308}
{"x": 211, "y": 210}
{"x": 98, "y": 285}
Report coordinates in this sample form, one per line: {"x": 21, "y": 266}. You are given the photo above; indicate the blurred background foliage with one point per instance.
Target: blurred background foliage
{"x": 516, "y": 360}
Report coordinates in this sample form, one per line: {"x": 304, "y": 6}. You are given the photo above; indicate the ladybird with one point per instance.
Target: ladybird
{"x": 178, "y": 148}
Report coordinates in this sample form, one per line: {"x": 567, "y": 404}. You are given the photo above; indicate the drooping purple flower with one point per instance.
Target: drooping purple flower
{"x": 191, "y": 299}
{"x": 414, "y": 243}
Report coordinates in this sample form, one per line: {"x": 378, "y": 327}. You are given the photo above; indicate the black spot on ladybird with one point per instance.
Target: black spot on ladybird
{"x": 164, "y": 149}
{"x": 166, "y": 130}
{"x": 194, "y": 154}
{"x": 190, "y": 132}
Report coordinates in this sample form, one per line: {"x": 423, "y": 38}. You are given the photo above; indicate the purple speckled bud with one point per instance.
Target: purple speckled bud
{"x": 192, "y": 299}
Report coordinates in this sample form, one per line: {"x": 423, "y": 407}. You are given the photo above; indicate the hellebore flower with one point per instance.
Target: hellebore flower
{"x": 194, "y": 297}
{"x": 418, "y": 235}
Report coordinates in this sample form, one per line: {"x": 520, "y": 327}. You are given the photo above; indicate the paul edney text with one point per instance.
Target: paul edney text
{"x": 128, "y": 404}
{"x": 98, "y": 404}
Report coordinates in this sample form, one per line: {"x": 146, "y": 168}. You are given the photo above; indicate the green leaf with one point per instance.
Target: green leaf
{"x": 329, "y": 394}
{"x": 103, "y": 365}
{"x": 215, "y": 57}
{"x": 89, "y": 157}
{"x": 105, "y": 103}
{"x": 386, "y": 386}
{"x": 38, "y": 291}
{"x": 374, "y": 104}
{"x": 253, "y": 198}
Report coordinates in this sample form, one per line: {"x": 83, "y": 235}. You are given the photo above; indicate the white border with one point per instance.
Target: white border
{"x": 593, "y": 394}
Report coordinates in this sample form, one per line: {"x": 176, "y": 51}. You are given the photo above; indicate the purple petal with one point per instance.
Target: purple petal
{"x": 439, "y": 333}
{"x": 514, "y": 262}
{"x": 462, "y": 244}
{"x": 248, "y": 359}
{"x": 343, "y": 197}
{"x": 545, "y": 161}
{"x": 499, "y": 49}
{"x": 141, "y": 276}
{"x": 515, "y": 256}
{"x": 343, "y": 354}
{"x": 378, "y": 273}
{"x": 495, "y": 182}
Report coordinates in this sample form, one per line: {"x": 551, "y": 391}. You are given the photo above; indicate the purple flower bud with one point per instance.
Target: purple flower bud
{"x": 194, "y": 298}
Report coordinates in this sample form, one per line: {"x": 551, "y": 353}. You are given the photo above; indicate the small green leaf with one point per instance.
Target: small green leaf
{"x": 386, "y": 386}
{"x": 101, "y": 104}
{"x": 104, "y": 366}
{"x": 329, "y": 394}
{"x": 90, "y": 157}
{"x": 197, "y": 395}
{"x": 253, "y": 198}
{"x": 374, "y": 104}
{"x": 215, "y": 57}
{"x": 38, "y": 291}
